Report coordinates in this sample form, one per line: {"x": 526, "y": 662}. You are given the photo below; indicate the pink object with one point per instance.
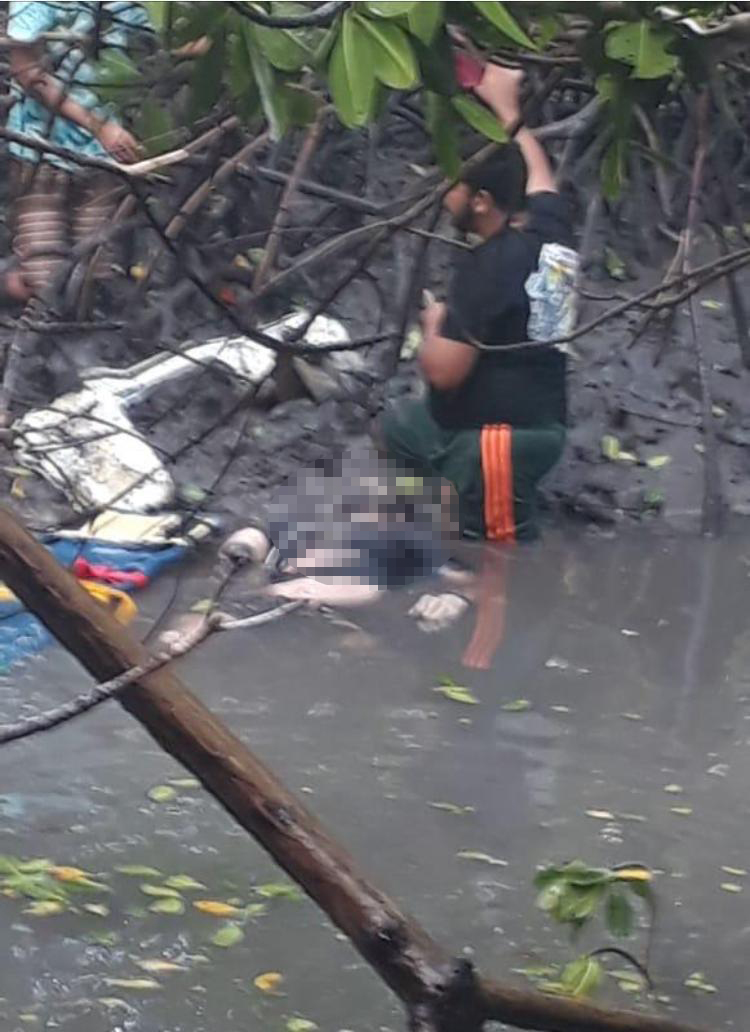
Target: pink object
{"x": 469, "y": 71}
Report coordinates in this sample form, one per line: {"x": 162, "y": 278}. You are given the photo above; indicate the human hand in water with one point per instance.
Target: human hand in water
{"x": 119, "y": 143}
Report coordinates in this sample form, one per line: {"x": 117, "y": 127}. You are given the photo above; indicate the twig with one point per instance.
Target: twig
{"x": 100, "y": 693}
{"x": 306, "y": 151}
{"x": 712, "y": 508}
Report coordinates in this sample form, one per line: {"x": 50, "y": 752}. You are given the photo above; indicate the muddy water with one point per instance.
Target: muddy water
{"x": 634, "y": 659}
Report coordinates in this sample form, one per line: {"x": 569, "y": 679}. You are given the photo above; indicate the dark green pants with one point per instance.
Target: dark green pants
{"x": 415, "y": 441}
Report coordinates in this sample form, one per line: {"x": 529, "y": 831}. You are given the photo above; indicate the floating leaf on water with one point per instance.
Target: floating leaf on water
{"x": 634, "y": 874}
{"x": 610, "y": 447}
{"x": 268, "y": 982}
{"x": 600, "y": 815}
{"x": 255, "y": 910}
{"x": 731, "y": 887}
{"x": 228, "y": 935}
{"x": 628, "y": 633}
{"x": 627, "y": 986}
{"x": 536, "y": 972}
{"x": 279, "y": 890}
{"x": 185, "y": 782}
{"x": 561, "y": 709}
{"x": 300, "y": 1025}
{"x": 674, "y": 789}
{"x": 736, "y": 872}
{"x": 183, "y": 882}
{"x": 96, "y": 908}
{"x": 136, "y": 984}
{"x": 168, "y": 905}
{"x": 635, "y": 817}
{"x": 657, "y": 461}
{"x": 517, "y": 706}
{"x": 454, "y": 808}
{"x": 138, "y": 871}
{"x": 44, "y": 908}
{"x": 698, "y": 981}
{"x": 158, "y": 890}
{"x": 114, "y": 1003}
{"x": 710, "y": 304}
{"x": 162, "y": 794}
{"x": 682, "y": 811}
{"x": 719, "y": 770}
{"x": 155, "y": 966}
{"x": 456, "y": 692}
{"x": 557, "y": 663}
{"x": 631, "y": 716}
{"x": 215, "y": 908}
{"x": 582, "y": 976}
{"x": 69, "y": 874}
{"x": 484, "y": 858}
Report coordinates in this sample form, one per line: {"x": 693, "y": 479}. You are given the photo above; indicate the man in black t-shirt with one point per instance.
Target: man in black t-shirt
{"x": 493, "y": 421}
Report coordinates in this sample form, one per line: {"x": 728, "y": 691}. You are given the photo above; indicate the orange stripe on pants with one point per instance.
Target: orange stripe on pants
{"x": 497, "y": 479}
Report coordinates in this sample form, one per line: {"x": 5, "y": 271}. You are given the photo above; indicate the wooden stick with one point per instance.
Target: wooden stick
{"x": 438, "y": 993}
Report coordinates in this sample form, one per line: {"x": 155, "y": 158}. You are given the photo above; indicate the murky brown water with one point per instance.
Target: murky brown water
{"x": 634, "y": 656}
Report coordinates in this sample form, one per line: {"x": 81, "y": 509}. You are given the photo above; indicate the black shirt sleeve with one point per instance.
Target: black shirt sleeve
{"x": 486, "y": 290}
{"x": 548, "y": 218}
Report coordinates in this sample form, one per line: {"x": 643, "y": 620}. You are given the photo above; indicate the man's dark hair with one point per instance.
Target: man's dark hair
{"x": 503, "y": 175}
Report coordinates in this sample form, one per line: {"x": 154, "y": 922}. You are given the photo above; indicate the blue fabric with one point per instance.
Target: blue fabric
{"x": 23, "y": 635}
{"x": 122, "y": 22}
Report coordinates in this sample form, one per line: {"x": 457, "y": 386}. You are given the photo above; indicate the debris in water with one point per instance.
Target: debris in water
{"x": 215, "y": 908}
{"x": 454, "y": 808}
{"x": 484, "y": 858}
{"x": 600, "y": 815}
{"x": 268, "y": 982}
{"x": 229, "y": 935}
{"x": 132, "y": 983}
{"x": 162, "y": 794}
{"x": 456, "y": 692}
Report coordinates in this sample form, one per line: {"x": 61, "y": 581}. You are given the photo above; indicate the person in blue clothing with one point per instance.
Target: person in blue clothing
{"x": 57, "y": 202}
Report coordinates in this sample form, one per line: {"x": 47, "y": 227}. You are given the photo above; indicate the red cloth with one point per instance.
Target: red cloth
{"x": 85, "y": 570}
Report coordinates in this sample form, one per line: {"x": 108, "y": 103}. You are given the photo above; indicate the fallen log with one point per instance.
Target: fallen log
{"x": 440, "y": 994}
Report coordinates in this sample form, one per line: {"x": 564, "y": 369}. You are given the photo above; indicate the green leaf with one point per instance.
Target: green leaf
{"x": 138, "y": 871}
{"x": 168, "y": 905}
{"x": 517, "y": 706}
{"x": 392, "y": 8}
{"x": 578, "y": 904}
{"x": 441, "y": 123}
{"x": 479, "y": 117}
{"x": 496, "y": 13}
{"x": 228, "y": 935}
{"x": 159, "y": 890}
{"x": 115, "y": 75}
{"x": 614, "y": 264}
{"x": 300, "y": 104}
{"x": 618, "y": 914}
{"x": 394, "y": 62}
{"x": 281, "y": 48}
{"x": 300, "y": 1025}
{"x": 157, "y": 12}
{"x": 581, "y": 977}
{"x": 642, "y": 45}
{"x": 547, "y": 27}
{"x": 154, "y": 125}
{"x": 162, "y": 794}
{"x": 424, "y": 19}
{"x": 612, "y": 171}
{"x": 265, "y": 81}
{"x": 352, "y": 91}
{"x": 279, "y": 890}
{"x": 183, "y": 883}
{"x": 207, "y": 77}
{"x": 456, "y": 692}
